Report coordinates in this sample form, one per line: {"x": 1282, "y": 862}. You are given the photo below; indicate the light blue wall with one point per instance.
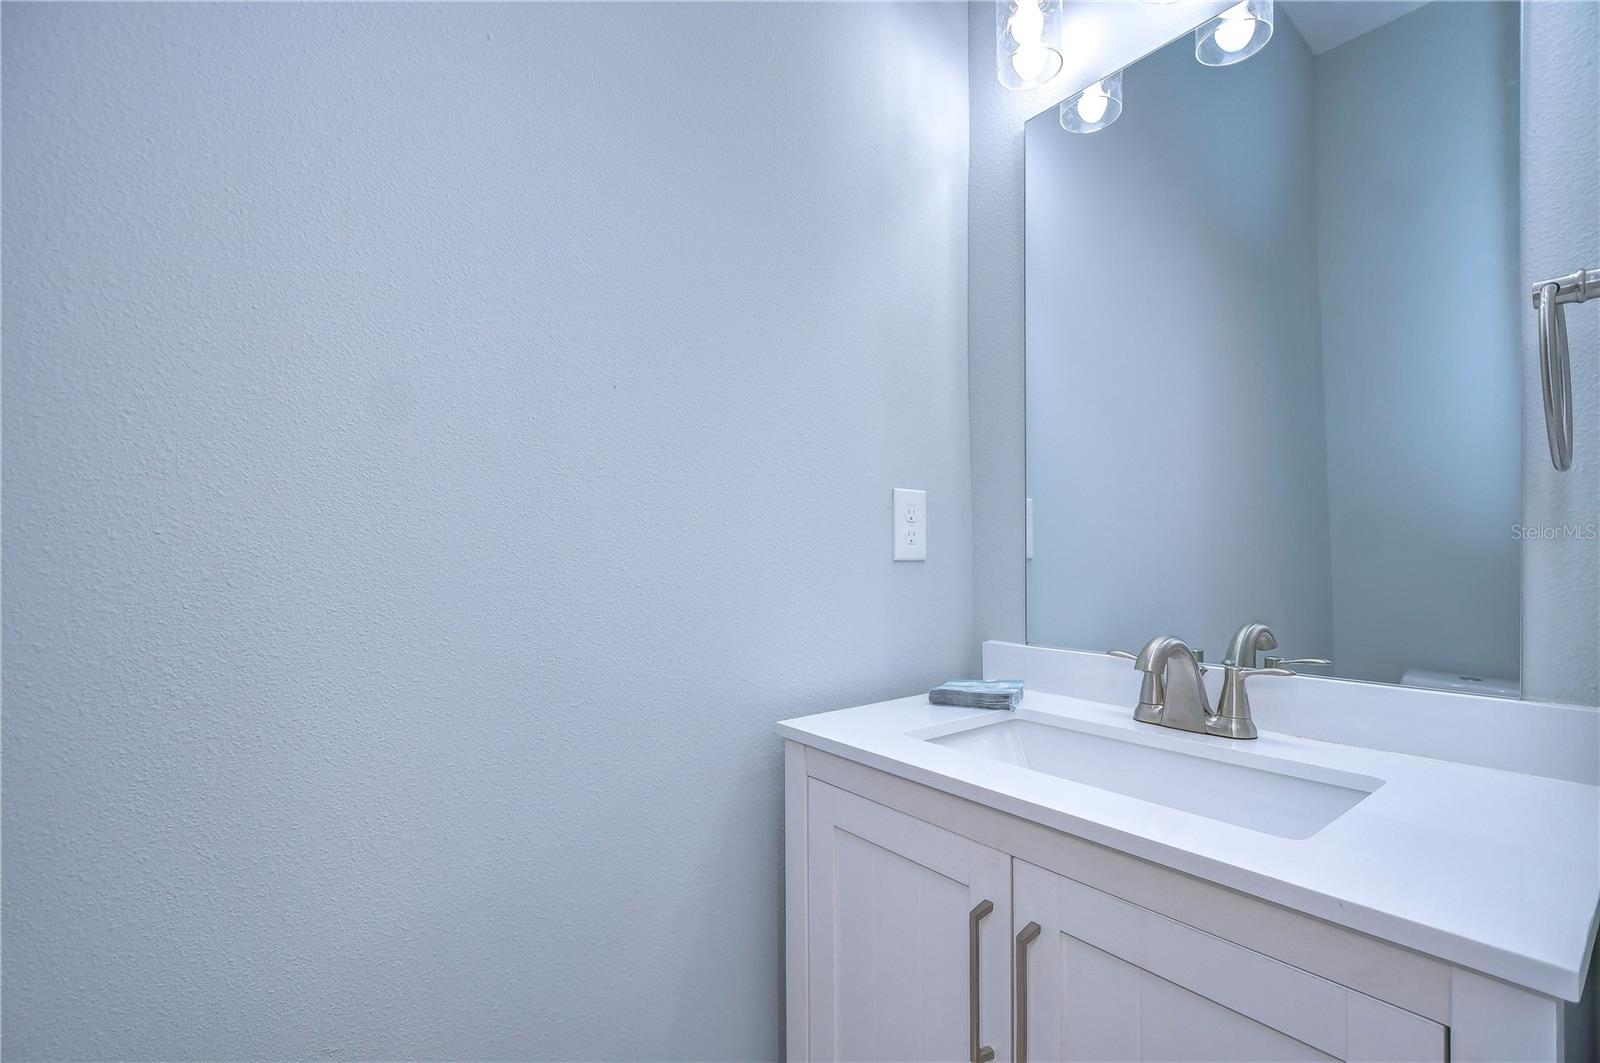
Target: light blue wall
{"x": 1174, "y": 383}
{"x": 440, "y": 441}
{"x": 1420, "y": 348}
{"x": 1561, "y": 233}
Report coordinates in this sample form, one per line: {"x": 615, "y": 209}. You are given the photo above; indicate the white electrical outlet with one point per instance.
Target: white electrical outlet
{"x": 910, "y": 525}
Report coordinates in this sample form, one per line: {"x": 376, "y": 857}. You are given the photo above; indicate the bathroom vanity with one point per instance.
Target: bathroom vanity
{"x": 1276, "y": 374}
{"x": 1380, "y": 875}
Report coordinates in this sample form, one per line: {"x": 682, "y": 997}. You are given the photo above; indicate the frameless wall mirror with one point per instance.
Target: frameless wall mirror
{"x": 1274, "y": 328}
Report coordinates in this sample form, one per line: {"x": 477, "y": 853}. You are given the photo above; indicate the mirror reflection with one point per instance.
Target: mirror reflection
{"x": 1274, "y": 314}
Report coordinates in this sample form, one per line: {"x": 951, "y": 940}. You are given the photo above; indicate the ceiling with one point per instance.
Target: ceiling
{"x": 1326, "y": 24}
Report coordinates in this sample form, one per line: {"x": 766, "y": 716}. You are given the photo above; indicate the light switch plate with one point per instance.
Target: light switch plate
{"x": 910, "y": 525}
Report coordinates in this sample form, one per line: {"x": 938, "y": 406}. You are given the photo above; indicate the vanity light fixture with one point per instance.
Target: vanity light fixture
{"x": 1235, "y": 35}
{"x": 1027, "y": 42}
{"x": 1095, "y": 107}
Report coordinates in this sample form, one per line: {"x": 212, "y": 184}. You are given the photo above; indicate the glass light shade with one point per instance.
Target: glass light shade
{"x": 1235, "y": 35}
{"x": 1095, "y": 107}
{"x": 1027, "y": 42}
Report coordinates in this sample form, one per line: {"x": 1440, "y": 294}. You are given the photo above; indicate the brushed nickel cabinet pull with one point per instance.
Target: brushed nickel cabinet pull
{"x": 979, "y": 1053}
{"x": 1024, "y": 938}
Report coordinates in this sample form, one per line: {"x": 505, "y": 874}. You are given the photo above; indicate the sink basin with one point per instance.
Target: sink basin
{"x": 1267, "y": 794}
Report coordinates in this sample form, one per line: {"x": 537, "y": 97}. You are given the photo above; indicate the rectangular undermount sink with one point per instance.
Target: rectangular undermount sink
{"x": 1267, "y": 794}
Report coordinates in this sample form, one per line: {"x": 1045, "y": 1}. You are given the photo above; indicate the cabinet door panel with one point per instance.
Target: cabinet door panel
{"x": 1108, "y": 980}
{"x": 1182, "y": 1026}
{"x": 890, "y": 899}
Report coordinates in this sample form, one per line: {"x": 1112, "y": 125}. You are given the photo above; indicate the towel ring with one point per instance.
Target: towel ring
{"x": 1555, "y": 363}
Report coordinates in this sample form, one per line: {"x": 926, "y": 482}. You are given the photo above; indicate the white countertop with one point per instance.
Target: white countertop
{"x": 1487, "y": 869}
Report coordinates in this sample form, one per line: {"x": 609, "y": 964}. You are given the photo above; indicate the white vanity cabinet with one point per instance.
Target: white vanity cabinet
{"x": 897, "y": 909}
{"x": 896, "y": 905}
{"x": 923, "y": 925}
{"x": 1107, "y": 980}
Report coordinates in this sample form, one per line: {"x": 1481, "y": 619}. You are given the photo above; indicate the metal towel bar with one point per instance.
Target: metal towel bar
{"x": 1555, "y": 364}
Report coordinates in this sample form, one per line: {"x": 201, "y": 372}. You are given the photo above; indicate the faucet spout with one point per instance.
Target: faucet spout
{"x": 1170, "y": 661}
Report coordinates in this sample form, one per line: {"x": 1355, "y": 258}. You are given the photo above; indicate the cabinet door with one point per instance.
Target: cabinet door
{"x": 891, "y": 903}
{"x": 1107, "y": 980}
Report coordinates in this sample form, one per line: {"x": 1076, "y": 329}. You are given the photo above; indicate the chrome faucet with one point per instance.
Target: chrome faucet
{"x": 1173, "y": 694}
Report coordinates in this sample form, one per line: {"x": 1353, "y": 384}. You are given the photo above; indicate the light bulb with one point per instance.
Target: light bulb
{"x": 1029, "y": 61}
{"x": 1027, "y": 25}
{"x": 1233, "y": 34}
{"x": 1092, "y": 103}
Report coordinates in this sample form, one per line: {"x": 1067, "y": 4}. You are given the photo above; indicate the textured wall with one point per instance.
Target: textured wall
{"x": 1561, "y": 233}
{"x": 1174, "y": 435}
{"x": 1423, "y": 415}
{"x": 440, "y": 440}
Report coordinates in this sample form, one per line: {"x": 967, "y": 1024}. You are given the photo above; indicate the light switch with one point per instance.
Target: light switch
{"x": 910, "y": 525}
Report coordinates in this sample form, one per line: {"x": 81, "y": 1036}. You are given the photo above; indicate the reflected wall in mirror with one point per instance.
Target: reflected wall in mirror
{"x": 1273, "y": 343}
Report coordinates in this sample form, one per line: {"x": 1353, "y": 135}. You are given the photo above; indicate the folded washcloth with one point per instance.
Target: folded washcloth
{"x": 978, "y": 693}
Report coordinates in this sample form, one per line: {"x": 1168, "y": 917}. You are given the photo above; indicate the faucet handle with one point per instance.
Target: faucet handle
{"x": 1299, "y": 662}
{"x": 1232, "y": 718}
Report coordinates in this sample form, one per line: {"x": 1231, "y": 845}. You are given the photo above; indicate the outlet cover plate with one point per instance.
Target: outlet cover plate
{"x": 910, "y": 524}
